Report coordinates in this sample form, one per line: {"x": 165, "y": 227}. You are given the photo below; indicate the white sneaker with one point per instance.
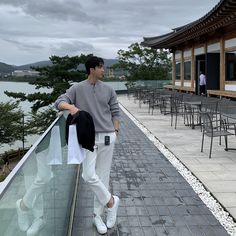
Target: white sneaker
{"x": 36, "y": 226}
{"x": 112, "y": 213}
{"x": 23, "y": 217}
{"x": 98, "y": 222}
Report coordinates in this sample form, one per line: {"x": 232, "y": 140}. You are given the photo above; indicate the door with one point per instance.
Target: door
{"x": 200, "y": 67}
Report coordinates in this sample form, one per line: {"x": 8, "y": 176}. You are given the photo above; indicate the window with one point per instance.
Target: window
{"x": 230, "y": 66}
{"x": 177, "y": 71}
{"x": 187, "y": 70}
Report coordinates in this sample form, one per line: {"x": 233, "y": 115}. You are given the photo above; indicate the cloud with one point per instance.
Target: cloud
{"x": 37, "y": 29}
{"x": 25, "y": 45}
{"x": 54, "y": 10}
{"x": 73, "y": 47}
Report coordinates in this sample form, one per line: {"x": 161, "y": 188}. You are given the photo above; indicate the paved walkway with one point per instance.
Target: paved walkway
{"x": 155, "y": 199}
{"x": 217, "y": 174}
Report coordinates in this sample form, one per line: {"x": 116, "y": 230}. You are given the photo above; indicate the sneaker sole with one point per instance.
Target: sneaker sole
{"x": 100, "y": 232}
{"x": 110, "y": 227}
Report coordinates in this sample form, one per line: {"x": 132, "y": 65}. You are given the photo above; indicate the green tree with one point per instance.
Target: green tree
{"x": 144, "y": 63}
{"x": 11, "y": 123}
{"x": 57, "y": 78}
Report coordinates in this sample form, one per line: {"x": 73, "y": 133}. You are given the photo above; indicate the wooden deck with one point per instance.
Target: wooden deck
{"x": 221, "y": 93}
{"x": 217, "y": 93}
{"x": 180, "y": 88}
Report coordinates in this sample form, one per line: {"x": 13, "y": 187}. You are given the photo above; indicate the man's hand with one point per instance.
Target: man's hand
{"x": 73, "y": 109}
{"x": 117, "y": 132}
{"x": 70, "y": 107}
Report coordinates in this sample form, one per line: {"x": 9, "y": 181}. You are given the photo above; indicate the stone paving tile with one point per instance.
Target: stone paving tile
{"x": 155, "y": 199}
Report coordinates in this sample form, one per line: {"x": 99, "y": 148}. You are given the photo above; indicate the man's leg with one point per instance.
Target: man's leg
{"x": 90, "y": 176}
{"x": 103, "y": 167}
{"x": 101, "y": 192}
{"x": 100, "y": 188}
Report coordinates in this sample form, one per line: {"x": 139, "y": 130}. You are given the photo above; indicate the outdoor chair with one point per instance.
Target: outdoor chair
{"x": 154, "y": 101}
{"x": 211, "y": 129}
{"x": 130, "y": 90}
{"x": 176, "y": 109}
{"x": 164, "y": 102}
{"x": 190, "y": 115}
{"x": 227, "y": 113}
{"x": 144, "y": 96}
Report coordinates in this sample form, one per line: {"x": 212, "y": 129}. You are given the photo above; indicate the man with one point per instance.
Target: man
{"x": 100, "y": 101}
{"x": 202, "y": 83}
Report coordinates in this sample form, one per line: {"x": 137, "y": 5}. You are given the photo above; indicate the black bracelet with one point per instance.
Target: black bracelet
{"x": 117, "y": 130}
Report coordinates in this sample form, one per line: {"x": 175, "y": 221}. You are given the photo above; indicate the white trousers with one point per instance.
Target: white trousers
{"x": 96, "y": 170}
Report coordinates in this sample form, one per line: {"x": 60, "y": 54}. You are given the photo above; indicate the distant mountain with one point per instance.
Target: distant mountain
{"x": 5, "y": 68}
{"x": 110, "y": 62}
{"x": 36, "y": 64}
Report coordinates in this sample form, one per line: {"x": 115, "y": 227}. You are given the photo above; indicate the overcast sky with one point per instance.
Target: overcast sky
{"x": 32, "y": 30}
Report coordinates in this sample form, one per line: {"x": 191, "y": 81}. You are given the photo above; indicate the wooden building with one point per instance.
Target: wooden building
{"x": 207, "y": 44}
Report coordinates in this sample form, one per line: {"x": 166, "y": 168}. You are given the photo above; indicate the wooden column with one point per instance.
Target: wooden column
{"x": 222, "y": 64}
{"x": 182, "y": 69}
{"x": 193, "y": 68}
{"x": 173, "y": 68}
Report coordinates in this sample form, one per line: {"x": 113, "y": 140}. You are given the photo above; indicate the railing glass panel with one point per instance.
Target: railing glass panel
{"x": 45, "y": 182}
{"x": 152, "y": 83}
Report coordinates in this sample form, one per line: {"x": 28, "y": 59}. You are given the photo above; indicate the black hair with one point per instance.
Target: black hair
{"x": 92, "y": 62}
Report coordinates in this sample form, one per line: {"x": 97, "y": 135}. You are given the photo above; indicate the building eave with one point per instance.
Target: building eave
{"x": 223, "y": 14}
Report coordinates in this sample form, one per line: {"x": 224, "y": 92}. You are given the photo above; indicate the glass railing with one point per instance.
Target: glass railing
{"x": 152, "y": 83}
{"x": 121, "y": 85}
{"x": 117, "y": 85}
{"x": 36, "y": 197}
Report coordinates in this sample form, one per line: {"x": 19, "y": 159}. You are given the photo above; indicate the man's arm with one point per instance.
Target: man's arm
{"x": 116, "y": 126}
{"x": 115, "y": 111}
{"x": 66, "y": 106}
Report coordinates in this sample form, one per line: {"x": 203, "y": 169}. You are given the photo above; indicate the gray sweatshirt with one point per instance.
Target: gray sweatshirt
{"x": 99, "y": 100}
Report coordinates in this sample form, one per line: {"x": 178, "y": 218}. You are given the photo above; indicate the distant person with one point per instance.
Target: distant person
{"x": 202, "y": 83}
{"x": 100, "y": 101}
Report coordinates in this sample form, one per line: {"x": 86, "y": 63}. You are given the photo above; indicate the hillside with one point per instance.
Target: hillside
{"x": 36, "y": 64}
{"x": 110, "y": 62}
{"x": 5, "y": 68}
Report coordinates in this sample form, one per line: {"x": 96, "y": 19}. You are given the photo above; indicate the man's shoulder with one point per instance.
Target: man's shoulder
{"x": 79, "y": 84}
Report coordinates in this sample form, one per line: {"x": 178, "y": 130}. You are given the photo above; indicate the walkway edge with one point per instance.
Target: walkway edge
{"x": 214, "y": 206}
